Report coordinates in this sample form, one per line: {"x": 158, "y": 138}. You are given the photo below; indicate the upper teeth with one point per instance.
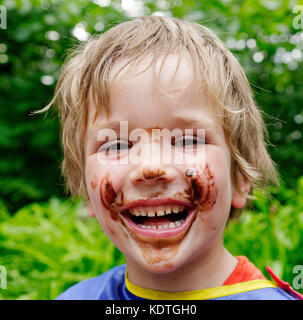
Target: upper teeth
{"x": 156, "y": 211}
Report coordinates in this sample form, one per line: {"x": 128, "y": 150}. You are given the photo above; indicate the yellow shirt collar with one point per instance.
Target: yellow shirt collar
{"x": 202, "y": 294}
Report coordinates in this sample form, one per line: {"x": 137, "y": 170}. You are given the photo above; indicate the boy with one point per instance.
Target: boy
{"x": 117, "y": 97}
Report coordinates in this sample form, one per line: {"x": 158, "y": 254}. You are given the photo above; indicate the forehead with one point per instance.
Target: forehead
{"x": 172, "y": 71}
{"x": 134, "y": 96}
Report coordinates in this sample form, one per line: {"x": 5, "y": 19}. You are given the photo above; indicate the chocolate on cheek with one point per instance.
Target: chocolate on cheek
{"x": 94, "y": 183}
{"x": 203, "y": 186}
{"x": 108, "y": 196}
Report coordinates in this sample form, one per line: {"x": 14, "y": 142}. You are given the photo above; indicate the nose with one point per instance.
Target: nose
{"x": 152, "y": 174}
{"x": 151, "y": 169}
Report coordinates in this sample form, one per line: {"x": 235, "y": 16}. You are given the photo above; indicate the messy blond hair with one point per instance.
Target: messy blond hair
{"x": 87, "y": 71}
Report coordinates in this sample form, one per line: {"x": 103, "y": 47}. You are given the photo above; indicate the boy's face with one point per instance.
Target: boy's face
{"x": 150, "y": 234}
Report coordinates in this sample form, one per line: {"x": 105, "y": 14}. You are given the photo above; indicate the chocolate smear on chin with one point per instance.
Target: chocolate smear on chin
{"x": 156, "y": 251}
{"x": 155, "y": 254}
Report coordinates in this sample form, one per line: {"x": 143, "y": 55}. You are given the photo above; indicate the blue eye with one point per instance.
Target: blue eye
{"x": 115, "y": 146}
{"x": 188, "y": 141}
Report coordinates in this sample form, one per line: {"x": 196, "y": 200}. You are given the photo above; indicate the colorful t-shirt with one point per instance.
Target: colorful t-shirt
{"x": 246, "y": 282}
{"x": 244, "y": 271}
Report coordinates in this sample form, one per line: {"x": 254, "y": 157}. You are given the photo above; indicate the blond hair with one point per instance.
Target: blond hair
{"x": 87, "y": 71}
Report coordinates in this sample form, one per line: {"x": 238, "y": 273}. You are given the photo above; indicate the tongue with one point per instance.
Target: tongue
{"x": 156, "y": 221}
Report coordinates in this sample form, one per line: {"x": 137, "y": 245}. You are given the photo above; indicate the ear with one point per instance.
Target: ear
{"x": 239, "y": 198}
{"x": 90, "y": 210}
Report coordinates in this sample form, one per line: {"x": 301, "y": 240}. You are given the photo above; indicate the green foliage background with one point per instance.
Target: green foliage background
{"x": 47, "y": 245}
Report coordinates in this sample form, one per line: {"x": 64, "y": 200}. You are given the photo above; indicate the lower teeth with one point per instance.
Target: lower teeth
{"x": 163, "y": 226}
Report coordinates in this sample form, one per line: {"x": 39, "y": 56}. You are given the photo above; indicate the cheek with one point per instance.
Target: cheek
{"x": 222, "y": 190}
{"x": 211, "y": 189}
{"x": 105, "y": 184}
{"x": 204, "y": 187}
{"x": 103, "y": 181}
{"x": 202, "y": 180}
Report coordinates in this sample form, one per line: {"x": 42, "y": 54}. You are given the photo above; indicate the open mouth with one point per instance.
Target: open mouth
{"x": 159, "y": 221}
{"x": 165, "y": 218}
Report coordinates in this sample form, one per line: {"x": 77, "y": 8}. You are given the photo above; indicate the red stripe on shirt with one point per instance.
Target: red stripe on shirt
{"x": 244, "y": 271}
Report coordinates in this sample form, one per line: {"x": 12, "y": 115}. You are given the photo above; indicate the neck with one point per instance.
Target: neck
{"x": 207, "y": 270}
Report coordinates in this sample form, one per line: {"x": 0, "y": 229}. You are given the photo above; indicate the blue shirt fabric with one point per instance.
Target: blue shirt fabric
{"x": 111, "y": 286}
{"x": 108, "y": 286}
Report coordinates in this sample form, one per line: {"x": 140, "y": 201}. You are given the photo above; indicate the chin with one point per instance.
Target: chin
{"x": 160, "y": 268}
